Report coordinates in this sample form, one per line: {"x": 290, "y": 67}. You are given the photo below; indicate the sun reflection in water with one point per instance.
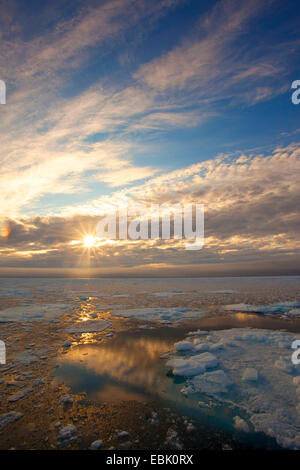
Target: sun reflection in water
{"x": 242, "y": 316}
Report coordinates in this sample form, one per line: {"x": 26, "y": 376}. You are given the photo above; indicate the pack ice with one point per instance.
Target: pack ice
{"x": 284, "y": 308}
{"x": 162, "y": 315}
{"x": 33, "y": 312}
{"x": 249, "y": 369}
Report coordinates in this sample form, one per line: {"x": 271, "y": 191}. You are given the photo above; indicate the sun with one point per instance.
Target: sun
{"x": 89, "y": 241}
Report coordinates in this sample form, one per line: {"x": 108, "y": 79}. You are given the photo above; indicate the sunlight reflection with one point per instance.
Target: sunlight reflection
{"x": 129, "y": 364}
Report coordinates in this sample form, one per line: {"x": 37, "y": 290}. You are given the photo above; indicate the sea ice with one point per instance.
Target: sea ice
{"x": 8, "y": 418}
{"x": 7, "y": 292}
{"x": 96, "y": 445}
{"x": 227, "y": 291}
{"x": 211, "y": 383}
{"x": 252, "y": 371}
{"x": 284, "y": 308}
{"x": 250, "y": 375}
{"x": 172, "y": 440}
{"x": 295, "y": 312}
{"x": 67, "y": 433}
{"x": 164, "y": 295}
{"x": 240, "y": 424}
{"x": 89, "y": 326}
{"x": 198, "y": 333}
{"x": 194, "y": 365}
{"x": 284, "y": 364}
{"x": 183, "y": 346}
{"x": 27, "y": 359}
{"x": 20, "y": 395}
{"x": 65, "y": 400}
{"x": 33, "y": 312}
{"x": 162, "y": 315}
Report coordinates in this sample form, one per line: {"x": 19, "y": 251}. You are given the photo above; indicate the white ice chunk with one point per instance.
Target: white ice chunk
{"x": 284, "y": 365}
{"x": 240, "y": 424}
{"x": 183, "y": 346}
{"x": 203, "y": 346}
{"x": 198, "y": 333}
{"x": 250, "y": 375}
{"x": 213, "y": 382}
{"x": 194, "y": 365}
{"x": 67, "y": 433}
{"x": 295, "y": 312}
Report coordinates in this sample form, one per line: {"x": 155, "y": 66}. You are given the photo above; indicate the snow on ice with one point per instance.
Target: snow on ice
{"x": 247, "y": 369}
{"x": 33, "y": 312}
{"x": 162, "y": 315}
{"x": 284, "y": 308}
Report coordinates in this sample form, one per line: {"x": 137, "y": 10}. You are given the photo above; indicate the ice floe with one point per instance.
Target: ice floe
{"x": 120, "y": 295}
{"x": 240, "y": 424}
{"x": 183, "y": 346}
{"x": 8, "y": 418}
{"x": 162, "y": 315}
{"x": 96, "y": 445}
{"x": 10, "y": 292}
{"x": 250, "y": 370}
{"x": 26, "y": 359}
{"x": 193, "y": 365}
{"x": 215, "y": 381}
{"x": 66, "y": 400}
{"x": 227, "y": 291}
{"x": 250, "y": 375}
{"x": 89, "y": 326}
{"x": 283, "y": 308}
{"x": 20, "y": 395}
{"x": 67, "y": 433}
{"x": 172, "y": 440}
{"x": 165, "y": 295}
{"x": 33, "y": 312}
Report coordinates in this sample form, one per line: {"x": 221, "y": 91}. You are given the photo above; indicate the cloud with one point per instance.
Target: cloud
{"x": 251, "y": 213}
{"x": 71, "y": 40}
{"x": 125, "y": 176}
{"x": 49, "y": 142}
{"x": 54, "y": 144}
{"x": 58, "y": 145}
{"x": 219, "y": 61}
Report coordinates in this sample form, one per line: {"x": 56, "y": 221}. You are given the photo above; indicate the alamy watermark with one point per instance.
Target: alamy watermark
{"x": 2, "y": 353}
{"x": 295, "y": 356}
{"x": 141, "y": 222}
{"x": 296, "y": 93}
{"x": 2, "y": 92}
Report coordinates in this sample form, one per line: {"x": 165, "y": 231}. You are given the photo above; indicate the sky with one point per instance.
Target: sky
{"x": 170, "y": 101}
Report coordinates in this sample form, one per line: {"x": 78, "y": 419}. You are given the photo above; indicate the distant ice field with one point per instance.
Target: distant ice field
{"x": 161, "y": 300}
